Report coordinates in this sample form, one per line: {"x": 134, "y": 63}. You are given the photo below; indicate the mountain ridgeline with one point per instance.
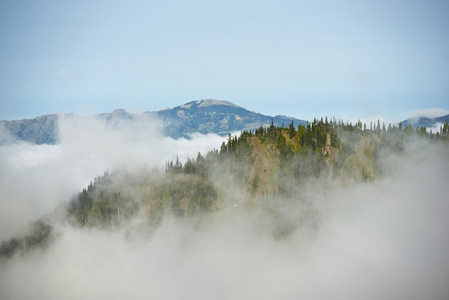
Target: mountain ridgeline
{"x": 214, "y": 116}
{"x": 426, "y": 122}
{"x": 204, "y": 116}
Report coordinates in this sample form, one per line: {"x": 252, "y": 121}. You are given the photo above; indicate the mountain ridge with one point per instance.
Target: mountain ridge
{"x": 430, "y": 123}
{"x": 200, "y": 116}
{"x": 203, "y": 116}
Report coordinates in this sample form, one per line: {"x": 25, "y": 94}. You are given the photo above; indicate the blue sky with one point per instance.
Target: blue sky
{"x": 348, "y": 59}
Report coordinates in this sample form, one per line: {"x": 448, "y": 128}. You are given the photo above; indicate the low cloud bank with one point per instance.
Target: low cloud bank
{"x": 429, "y": 113}
{"x": 35, "y": 178}
{"x": 383, "y": 240}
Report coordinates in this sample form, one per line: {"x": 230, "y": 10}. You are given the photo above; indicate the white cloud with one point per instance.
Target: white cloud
{"x": 429, "y": 113}
{"x": 5, "y": 136}
{"x": 34, "y": 178}
{"x": 63, "y": 72}
{"x": 383, "y": 240}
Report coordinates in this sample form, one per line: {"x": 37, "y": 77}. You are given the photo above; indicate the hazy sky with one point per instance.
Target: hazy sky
{"x": 349, "y": 59}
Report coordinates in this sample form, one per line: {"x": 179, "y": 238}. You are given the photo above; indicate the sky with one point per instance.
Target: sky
{"x": 305, "y": 59}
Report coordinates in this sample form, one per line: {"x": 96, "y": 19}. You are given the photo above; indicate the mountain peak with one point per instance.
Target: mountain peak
{"x": 210, "y": 102}
{"x": 119, "y": 111}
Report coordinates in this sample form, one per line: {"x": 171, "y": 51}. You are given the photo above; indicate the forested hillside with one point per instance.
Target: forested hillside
{"x": 258, "y": 166}
{"x": 265, "y": 169}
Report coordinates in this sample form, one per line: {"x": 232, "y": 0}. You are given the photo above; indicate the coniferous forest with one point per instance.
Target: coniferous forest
{"x": 264, "y": 169}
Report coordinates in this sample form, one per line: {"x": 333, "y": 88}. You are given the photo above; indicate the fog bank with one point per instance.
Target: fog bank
{"x": 35, "y": 178}
{"x": 382, "y": 240}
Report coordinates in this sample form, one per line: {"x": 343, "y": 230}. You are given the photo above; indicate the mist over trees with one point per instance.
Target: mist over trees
{"x": 288, "y": 184}
{"x": 266, "y": 164}
{"x": 267, "y": 168}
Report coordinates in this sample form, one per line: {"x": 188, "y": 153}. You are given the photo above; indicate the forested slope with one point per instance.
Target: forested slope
{"x": 251, "y": 169}
{"x": 270, "y": 169}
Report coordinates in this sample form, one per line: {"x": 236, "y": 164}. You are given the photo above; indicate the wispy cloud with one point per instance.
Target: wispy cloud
{"x": 34, "y": 178}
{"x": 429, "y": 113}
{"x": 63, "y": 72}
{"x": 385, "y": 240}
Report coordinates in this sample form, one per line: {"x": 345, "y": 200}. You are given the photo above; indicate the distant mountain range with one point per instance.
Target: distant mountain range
{"x": 40, "y": 130}
{"x": 426, "y": 122}
{"x": 203, "y": 116}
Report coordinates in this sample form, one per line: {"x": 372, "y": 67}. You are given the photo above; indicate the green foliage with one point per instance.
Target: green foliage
{"x": 263, "y": 163}
{"x": 37, "y": 235}
{"x": 180, "y": 190}
{"x": 270, "y": 162}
